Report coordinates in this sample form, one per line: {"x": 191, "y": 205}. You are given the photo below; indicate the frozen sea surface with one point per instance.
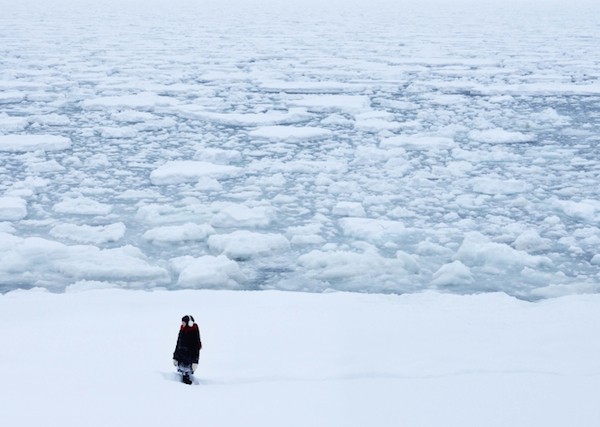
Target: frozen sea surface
{"x": 372, "y": 146}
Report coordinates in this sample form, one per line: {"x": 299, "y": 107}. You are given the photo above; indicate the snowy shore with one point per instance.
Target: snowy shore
{"x": 273, "y": 358}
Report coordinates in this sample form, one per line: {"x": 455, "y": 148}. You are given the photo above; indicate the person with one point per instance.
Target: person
{"x": 187, "y": 350}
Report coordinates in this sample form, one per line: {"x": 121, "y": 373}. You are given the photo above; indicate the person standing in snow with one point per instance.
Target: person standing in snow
{"x": 187, "y": 350}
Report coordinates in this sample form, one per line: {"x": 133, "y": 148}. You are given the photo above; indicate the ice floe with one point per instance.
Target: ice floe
{"x": 142, "y": 101}
{"x": 12, "y": 208}
{"x": 82, "y": 206}
{"x": 500, "y": 136}
{"x": 178, "y": 172}
{"x": 208, "y": 272}
{"x": 243, "y": 244}
{"x": 24, "y": 143}
{"x": 179, "y": 233}
{"x": 39, "y": 261}
{"x": 96, "y": 235}
{"x": 290, "y": 133}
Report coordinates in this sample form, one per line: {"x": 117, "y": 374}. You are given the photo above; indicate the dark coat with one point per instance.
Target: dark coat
{"x": 188, "y": 346}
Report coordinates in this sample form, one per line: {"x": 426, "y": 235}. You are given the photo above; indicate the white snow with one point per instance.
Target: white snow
{"x": 324, "y": 359}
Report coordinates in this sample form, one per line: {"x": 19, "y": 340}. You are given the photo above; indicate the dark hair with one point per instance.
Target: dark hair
{"x": 186, "y": 319}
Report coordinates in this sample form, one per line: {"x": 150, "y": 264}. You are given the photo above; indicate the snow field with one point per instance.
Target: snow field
{"x": 272, "y": 358}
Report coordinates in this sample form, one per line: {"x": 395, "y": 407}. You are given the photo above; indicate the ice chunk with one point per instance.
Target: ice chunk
{"x": 34, "y": 259}
{"x": 530, "y": 241}
{"x": 179, "y": 233}
{"x": 24, "y": 143}
{"x": 587, "y": 209}
{"x": 208, "y": 272}
{"x": 243, "y": 244}
{"x": 159, "y": 214}
{"x": 371, "y": 229}
{"x": 12, "y": 124}
{"x": 376, "y": 124}
{"x": 307, "y": 239}
{"x": 495, "y": 186}
{"x": 118, "y": 132}
{"x": 218, "y": 155}
{"x": 237, "y": 215}
{"x": 477, "y": 249}
{"x": 45, "y": 167}
{"x": 333, "y": 102}
{"x": 294, "y": 115}
{"x": 453, "y": 274}
{"x": 500, "y": 136}
{"x": 409, "y": 262}
{"x": 88, "y": 285}
{"x": 138, "y": 194}
{"x": 51, "y": 120}
{"x": 418, "y": 142}
{"x": 82, "y": 206}
{"x": 11, "y": 97}
{"x": 142, "y": 101}
{"x": 181, "y": 171}
{"x": 290, "y": 133}
{"x": 133, "y": 116}
{"x": 351, "y": 209}
{"x": 89, "y": 234}
{"x": 12, "y": 208}
{"x": 311, "y": 87}
{"x": 353, "y": 267}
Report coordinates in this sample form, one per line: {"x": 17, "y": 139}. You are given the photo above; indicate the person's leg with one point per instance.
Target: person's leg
{"x": 186, "y": 372}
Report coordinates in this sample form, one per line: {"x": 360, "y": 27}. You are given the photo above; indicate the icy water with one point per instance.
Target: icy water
{"x": 386, "y": 146}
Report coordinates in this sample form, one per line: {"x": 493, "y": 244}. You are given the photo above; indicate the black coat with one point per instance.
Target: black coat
{"x": 188, "y": 346}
